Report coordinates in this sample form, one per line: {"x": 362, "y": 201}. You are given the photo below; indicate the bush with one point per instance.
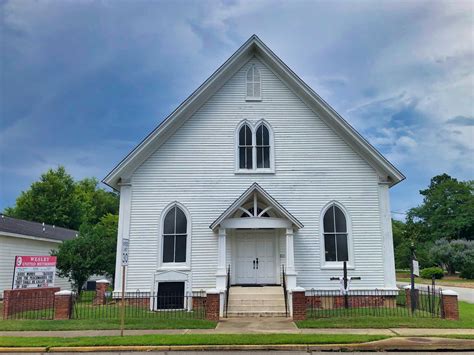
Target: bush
{"x": 467, "y": 267}
{"x": 429, "y": 272}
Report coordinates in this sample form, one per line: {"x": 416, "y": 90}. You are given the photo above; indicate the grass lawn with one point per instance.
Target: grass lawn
{"x": 84, "y": 324}
{"x": 466, "y": 311}
{"x": 191, "y": 339}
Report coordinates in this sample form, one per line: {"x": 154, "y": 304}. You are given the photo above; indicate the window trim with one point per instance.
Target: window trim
{"x": 174, "y": 265}
{"x": 253, "y": 127}
{"x": 336, "y": 265}
{"x": 253, "y": 82}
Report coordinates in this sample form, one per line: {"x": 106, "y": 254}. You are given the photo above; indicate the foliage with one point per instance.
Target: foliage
{"x": 59, "y": 200}
{"x": 429, "y": 272}
{"x": 455, "y": 255}
{"x": 447, "y": 210}
{"x": 92, "y": 252}
{"x": 52, "y": 200}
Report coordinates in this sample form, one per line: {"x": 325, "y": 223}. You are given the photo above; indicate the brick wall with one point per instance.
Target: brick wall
{"x": 449, "y": 305}
{"x": 357, "y": 301}
{"x": 213, "y": 306}
{"x": 28, "y": 299}
{"x": 299, "y": 305}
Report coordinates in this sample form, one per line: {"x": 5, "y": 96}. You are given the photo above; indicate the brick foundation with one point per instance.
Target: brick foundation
{"x": 354, "y": 301}
{"x": 299, "y": 304}
{"x": 213, "y": 306}
{"x": 449, "y": 305}
{"x": 63, "y": 302}
{"x": 27, "y": 299}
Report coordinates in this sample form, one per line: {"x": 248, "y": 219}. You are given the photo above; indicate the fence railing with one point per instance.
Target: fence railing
{"x": 227, "y": 291}
{"x": 142, "y": 305}
{"x": 335, "y": 303}
{"x": 285, "y": 291}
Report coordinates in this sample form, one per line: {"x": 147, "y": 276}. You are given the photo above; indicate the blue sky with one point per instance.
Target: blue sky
{"x": 82, "y": 82}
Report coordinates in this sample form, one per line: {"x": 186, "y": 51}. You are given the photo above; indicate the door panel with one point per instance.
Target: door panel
{"x": 252, "y": 248}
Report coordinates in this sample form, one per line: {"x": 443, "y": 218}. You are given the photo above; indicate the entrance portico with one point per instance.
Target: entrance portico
{"x": 256, "y": 232}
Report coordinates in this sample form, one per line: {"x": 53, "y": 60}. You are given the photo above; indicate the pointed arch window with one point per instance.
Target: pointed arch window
{"x": 335, "y": 235}
{"x": 175, "y": 232}
{"x": 254, "y": 84}
{"x": 255, "y": 151}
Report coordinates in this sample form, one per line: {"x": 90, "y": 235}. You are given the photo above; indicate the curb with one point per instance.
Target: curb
{"x": 391, "y": 344}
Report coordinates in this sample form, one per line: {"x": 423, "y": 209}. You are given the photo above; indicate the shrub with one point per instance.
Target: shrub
{"x": 429, "y": 272}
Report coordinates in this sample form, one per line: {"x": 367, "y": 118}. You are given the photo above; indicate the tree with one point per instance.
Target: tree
{"x": 91, "y": 253}
{"x": 447, "y": 210}
{"x": 51, "y": 200}
{"x": 57, "y": 199}
{"x": 455, "y": 255}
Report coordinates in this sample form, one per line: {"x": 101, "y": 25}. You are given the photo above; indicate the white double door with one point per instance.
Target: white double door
{"x": 255, "y": 258}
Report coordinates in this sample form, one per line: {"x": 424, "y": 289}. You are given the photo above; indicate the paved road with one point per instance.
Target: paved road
{"x": 240, "y": 352}
{"x": 465, "y": 294}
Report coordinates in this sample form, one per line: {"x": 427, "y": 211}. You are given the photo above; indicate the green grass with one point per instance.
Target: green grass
{"x": 85, "y": 324}
{"x": 466, "y": 311}
{"x": 190, "y": 339}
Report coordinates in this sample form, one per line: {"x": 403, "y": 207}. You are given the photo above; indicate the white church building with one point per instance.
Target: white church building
{"x": 254, "y": 173}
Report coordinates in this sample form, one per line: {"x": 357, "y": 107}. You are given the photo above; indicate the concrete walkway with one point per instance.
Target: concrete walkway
{"x": 246, "y": 326}
{"x": 465, "y": 294}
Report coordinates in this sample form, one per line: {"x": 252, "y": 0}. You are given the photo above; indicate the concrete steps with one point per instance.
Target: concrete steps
{"x": 267, "y": 301}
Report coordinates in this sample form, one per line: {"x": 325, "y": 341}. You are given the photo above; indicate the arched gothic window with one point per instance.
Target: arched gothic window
{"x": 254, "y": 86}
{"x": 335, "y": 234}
{"x": 175, "y": 232}
{"x": 254, "y": 148}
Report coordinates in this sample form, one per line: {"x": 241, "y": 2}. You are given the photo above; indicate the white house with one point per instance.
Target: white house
{"x": 254, "y": 171}
{"x": 19, "y": 237}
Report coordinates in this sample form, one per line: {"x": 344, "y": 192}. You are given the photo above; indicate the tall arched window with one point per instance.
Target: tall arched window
{"x": 245, "y": 148}
{"x": 254, "y": 86}
{"x": 263, "y": 147}
{"x": 335, "y": 234}
{"x": 175, "y": 228}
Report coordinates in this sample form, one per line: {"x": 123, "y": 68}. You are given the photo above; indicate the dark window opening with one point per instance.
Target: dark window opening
{"x": 335, "y": 235}
{"x": 175, "y": 236}
{"x": 170, "y": 295}
{"x": 245, "y": 148}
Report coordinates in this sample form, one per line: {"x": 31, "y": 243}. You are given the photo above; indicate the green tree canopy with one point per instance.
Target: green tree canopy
{"x": 91, "y": 253}
{"x": 51, "y": 200}
{"x": 447, "y": 210}
{"x": 57, "y": 199}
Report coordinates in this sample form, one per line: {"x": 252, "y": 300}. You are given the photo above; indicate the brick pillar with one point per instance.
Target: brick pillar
{"x": 100, "y": 289}
{"x": 408, "y": 297}
{"x": 449, "y": 305}
{"x": 298, "y": 303}
{"x": 213, "y": 305}
{"x": 63, "y": 301}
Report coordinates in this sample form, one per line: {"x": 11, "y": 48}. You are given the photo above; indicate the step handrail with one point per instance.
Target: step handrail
{"x": 285, "y": 292}
{"x": 227, "y": 291}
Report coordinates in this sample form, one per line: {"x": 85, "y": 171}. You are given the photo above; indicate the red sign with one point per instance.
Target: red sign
{"x": 34, "y": 271}
{"x": 35, "y": 261}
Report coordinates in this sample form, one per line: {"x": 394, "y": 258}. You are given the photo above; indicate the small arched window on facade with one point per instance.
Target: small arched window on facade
{"x": 245, "y": 148}
{"x": 254, "y": 84}
{"x": 263, "y": 147}
{"x": 174, "y": 236}
{"x": 335, "y": 234}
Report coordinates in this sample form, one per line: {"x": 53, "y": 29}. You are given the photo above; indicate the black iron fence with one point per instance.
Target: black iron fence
{"x": 141, "y": 305}
{"x": 382, "y": 303}
{"x": 285, "y": 291}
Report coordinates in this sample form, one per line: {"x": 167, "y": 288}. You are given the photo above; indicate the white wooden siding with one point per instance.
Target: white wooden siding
{"x": 11, "y": 247}
{"x": 313, "y": 166}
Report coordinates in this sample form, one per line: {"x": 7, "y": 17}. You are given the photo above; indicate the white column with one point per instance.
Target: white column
{"x": 290, "y": 260}
{"x": 387, "y": 237}
{"x": 221, "y": 275}
{"x": 123, "y": 230}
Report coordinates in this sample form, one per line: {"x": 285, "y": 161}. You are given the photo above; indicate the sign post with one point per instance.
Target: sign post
{"x": 125, "y": 244}
{"x": 34, "y": 271}
{"x": 412, "y": 277}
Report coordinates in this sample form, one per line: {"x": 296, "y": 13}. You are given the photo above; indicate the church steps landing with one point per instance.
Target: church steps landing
{"x": 267, "y": 301}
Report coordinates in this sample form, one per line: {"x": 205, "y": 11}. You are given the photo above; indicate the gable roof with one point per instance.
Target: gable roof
{"x": 256, "y": 188}
{"x": 14, "y": 227}
{"x": 252, "y": 47}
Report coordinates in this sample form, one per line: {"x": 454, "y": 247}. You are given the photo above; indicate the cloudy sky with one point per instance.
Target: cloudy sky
{"x": 82, "y": 82}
